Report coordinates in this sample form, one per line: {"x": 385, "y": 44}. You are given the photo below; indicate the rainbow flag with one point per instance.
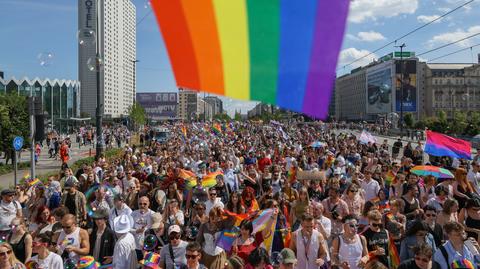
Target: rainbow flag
{"x": 292, "y": 174}
{"x": 393, "y": 253}
{"x": 256, "y": 49}
{"x": 34, "y": 182}
{"x": 208, "y": 181}
{"x": 389, "y": 178}
{"x": 186, "y": 175}
{"x": 443, "y": 145}
{"x": 239, "y": 217}
{"x": 217, "y": 129}
{"x": 227, "y": 237}
{"x": 184, "y": 132}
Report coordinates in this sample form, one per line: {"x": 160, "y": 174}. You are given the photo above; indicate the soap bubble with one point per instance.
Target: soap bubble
{"x": 150, "y": 242}
{"x": 147, "y": 4}
{"x": 86, "y": 37}
{"x": 45, "y": 58}
{"x": 92, "y": 65}
{"x": 276, "y": 258}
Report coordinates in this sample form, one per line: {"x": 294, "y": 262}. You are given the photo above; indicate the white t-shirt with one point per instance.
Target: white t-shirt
{"x": 52, "y": 261}
{"x": 474, "y": 177}
{"x": 141, "y": 220}
{"x": 209, "y": 205}
{"x": 370, "y": 188}
{"x": 7, "y": 213}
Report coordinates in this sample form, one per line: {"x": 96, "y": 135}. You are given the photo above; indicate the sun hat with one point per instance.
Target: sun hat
{"x": 288, "y": 256}
{"x": 174, "y": 228}
{"x": 462, "y": 264}
{"x": 122, "y": 224}
{"x": 156, "y": 220}
{"x": 87, "y": 262}
{"x": 151, "y": 259}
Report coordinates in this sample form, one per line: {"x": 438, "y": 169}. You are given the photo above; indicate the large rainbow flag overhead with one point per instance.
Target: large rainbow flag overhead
{"x": 281, "y": 52}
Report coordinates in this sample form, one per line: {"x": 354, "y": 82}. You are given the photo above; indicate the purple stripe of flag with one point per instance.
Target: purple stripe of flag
{"x": 329, "y": 30}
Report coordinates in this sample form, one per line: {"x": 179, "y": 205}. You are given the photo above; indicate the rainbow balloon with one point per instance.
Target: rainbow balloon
{"x": 280, "y": 52}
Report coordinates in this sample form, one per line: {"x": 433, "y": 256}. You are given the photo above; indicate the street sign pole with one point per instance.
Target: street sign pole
{"x": 32, "y": 136}
{"x": 17, "y": 146}
{"x": 15, "y": 168}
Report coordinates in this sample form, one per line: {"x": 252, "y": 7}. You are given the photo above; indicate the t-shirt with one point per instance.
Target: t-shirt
{"x": 52, "y": 261}
{"x": 8, "y": 211}
{"x": 178, "y": 254}
{"x": 474, "y": 177}
{"x": 371, "y": 189}
{"x": 375, "y": 240}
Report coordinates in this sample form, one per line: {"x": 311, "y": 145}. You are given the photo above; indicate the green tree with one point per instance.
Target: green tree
{"x": 137, "y": 115}
{"x": 409, "y": 120}
{"x": 459, "y": 123}
{"x": 222, "y": 117}
{"x": 238, "y": 116}
{"x": 14, "y": 121}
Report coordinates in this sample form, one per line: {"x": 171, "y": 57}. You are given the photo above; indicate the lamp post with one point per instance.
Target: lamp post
{"x": 99, "y": 109}
{"x": 401, "y": 86}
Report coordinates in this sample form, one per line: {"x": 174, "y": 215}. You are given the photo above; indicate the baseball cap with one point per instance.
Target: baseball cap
{"x": 288, "y": 256}
{"x": 8, "y": 192}
{"x": 174, "y": 228}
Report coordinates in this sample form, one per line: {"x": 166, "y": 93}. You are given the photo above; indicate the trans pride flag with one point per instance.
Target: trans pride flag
{"x": 280, "y": 52}
{"x": 442, "y": 145}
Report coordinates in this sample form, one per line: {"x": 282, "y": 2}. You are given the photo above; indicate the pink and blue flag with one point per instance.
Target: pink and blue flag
{"x": 279, "y": 52}
{"x": 443, "y": 145}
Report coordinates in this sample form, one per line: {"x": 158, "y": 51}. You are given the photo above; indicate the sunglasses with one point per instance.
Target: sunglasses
{"x": 353, "y": 226}
{"x": 67, "y": 227}
{"x": 191, "y": 257}
{"x": 5, "y": 253}
{"x": 213, "y": 194}
{"x": 422, "y": 259}
{"x": 39, "y": 244}
{"x": 174, "y": 236}
{"x": 353, "y": 191}
{"x": 431, "y": 215}
{"x": 377, "y": 225}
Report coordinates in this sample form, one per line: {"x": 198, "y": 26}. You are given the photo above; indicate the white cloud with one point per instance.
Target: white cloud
{"x": 456, "y": 35}
{"x": 428, "y": 18}
{"x": 362, "y": 10}
{"x": 351, "y": 54}
{"x": 370, "y": 36}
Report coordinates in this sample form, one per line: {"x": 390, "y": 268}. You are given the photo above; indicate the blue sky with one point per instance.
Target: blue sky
{"x": 31, "y": 29}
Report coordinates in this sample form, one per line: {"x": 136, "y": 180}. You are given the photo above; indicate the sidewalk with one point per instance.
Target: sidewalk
{"x": 45, "y": 164}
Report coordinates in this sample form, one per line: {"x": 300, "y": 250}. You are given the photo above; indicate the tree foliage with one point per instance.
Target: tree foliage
{"x": 409, "y": 120}
{"x": 462, "y": 124}
{"x": 222, "y": 117}
{"x": 14, "y": 120}
{"x": 137, "y": 114}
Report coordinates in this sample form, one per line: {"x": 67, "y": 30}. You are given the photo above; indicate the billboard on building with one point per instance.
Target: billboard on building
{"x": 409, "y": 92}
{"x": 379, "y": 89}
{"x": 159, "y": 106}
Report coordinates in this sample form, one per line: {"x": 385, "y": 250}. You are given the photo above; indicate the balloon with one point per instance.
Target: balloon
{"x": 150, "y": 242}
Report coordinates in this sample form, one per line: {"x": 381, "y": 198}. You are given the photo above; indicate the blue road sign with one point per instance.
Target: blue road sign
{"x": 18, "y": 143}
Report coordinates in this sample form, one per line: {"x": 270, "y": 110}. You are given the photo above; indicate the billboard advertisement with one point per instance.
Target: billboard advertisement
{"x": 159, "y": 106}
{"x": 379, "y": 90}
{"x": 407, "y": 96}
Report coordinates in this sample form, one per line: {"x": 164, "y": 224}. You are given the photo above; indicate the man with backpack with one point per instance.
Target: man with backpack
{"x": 455, "y": 248}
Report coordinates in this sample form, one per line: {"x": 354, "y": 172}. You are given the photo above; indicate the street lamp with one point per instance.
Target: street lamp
{"x": 401, "y": 86}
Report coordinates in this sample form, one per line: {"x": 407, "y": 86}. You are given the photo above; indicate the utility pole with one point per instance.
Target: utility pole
{"x": 99, "y": 109}
{"x": 401, "y": 86}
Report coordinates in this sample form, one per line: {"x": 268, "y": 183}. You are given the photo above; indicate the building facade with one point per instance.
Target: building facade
{"x": 117, "y": 44}
{"x": 350, "y": 96}
{"x": 60, "y": 98}
{"x": 452, "y": 87}
{"x": 205, "y": 110}
{"x": 216, "y": 103}
{"x": 187, "y": 104}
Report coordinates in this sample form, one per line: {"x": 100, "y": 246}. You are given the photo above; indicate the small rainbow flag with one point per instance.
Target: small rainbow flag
{"x": 282, "y": 53}
{"x": 393, "y": 253}
{"x": 390, "y": 178}
{"x": 186, "y": 175}
{"x": 184, "y": 132}
{"x": 292, "y": 174}
{"x": 34, "y": 182}
{"x": 239, "y": 217}
{"x": 217, "y": 129}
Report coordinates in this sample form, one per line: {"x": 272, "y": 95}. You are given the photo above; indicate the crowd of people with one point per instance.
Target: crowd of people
{"x": 303, "y": 195}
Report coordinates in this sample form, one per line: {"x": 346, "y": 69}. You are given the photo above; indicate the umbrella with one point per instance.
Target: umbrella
{"x": 429, "y": 170}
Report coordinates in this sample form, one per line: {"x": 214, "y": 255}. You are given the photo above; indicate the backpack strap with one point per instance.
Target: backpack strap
{"x": 445, "y": 255}
{"x": 170, "y": 249}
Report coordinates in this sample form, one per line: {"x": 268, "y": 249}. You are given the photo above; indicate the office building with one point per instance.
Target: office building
{"x": 187, "y": 104}
{"x": 216, "y": 103}
{"x": 117, "y": 44}
{"x": 204, "y": 109}
{"x": 452, "y": 87}
{"x": 60, "y": 98}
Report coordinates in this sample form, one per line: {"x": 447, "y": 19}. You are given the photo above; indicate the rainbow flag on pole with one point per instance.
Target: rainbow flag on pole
{"x": 393, "y": 253}
{"x": 389, "y": 178}
{"x": 256, "y": 49}
{"x": 443, "y": 145}
{"x": 217, "y": 129}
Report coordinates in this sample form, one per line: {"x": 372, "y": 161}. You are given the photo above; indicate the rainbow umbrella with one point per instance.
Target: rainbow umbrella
{"x": 429, "y": 170}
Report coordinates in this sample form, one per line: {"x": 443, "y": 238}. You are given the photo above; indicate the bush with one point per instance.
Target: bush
{"x": 8, "y": 168}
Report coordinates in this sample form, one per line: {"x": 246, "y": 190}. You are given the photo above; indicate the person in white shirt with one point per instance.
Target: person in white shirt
{"x": 45, "y": 258}
{"x": 474, "y": 176}
{"x": 369, "y": 186}
{"x": 9, "y": 209}
{"x": 142, "y": 221}
{"x": 213, "y": 201}
{"x": 119, "y": 208}
{"x": 124, "y": 256}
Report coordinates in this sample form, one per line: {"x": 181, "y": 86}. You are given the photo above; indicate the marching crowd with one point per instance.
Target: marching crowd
{"x": 248, "y": 195}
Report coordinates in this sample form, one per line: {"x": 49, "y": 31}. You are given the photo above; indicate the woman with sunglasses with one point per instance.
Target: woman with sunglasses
{"x": 416, "y": 235}
{"x": 45, "y": 258}
{"x": 20, "y": 240}
{"x": 349, "y": 248}
{"x": 8, "y": 259}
